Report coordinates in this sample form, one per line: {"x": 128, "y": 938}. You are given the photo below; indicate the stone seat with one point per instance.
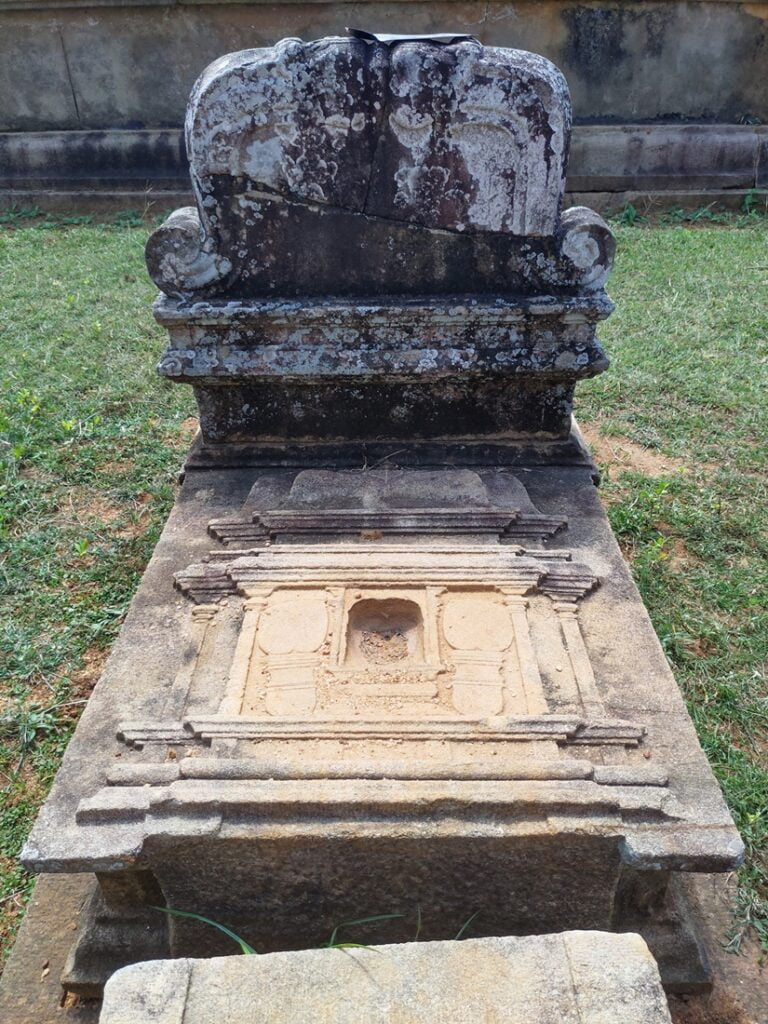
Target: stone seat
{"x": 372, "y": 222}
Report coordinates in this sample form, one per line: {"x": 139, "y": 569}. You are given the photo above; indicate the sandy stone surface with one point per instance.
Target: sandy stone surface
{"x": 573, "y": 978}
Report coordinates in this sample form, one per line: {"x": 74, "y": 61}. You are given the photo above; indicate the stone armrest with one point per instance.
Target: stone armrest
{"x": 184, "y": 262}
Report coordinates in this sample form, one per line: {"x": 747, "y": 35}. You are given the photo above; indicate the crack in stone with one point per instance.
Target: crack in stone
{"x": 381, "y": 130}
{"x": 69, "y": 77}
{"x": 258, "y": 193}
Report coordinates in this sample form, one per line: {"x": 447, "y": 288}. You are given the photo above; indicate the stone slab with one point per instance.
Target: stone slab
{"x": 464, "y": 367}
{"x": 571, "y": 978}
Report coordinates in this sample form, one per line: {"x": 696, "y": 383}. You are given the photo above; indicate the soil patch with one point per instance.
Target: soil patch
{"x": 83, "y": 505}
{"x": 715, "y": 1008}
{"x": 189, "y": 427}
{"x": 86, "y": 677}
{"x": 621, "y": 453}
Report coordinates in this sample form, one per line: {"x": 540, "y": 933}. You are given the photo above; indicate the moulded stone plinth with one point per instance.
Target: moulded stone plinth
{"x": 463, "y": 367}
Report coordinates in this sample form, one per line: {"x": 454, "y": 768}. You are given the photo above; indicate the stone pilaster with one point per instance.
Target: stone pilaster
{"x": 241, "y": 662}
{"x": 202, "y": 617}
{"x": 568, "y": 614}
{"x": 529, "y": 666}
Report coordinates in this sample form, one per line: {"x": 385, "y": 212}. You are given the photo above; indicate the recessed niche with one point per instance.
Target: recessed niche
{"x": 385, "y": 633}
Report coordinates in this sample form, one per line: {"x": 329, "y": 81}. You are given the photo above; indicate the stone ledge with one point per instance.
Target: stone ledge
{"x": 612, "y": 158}
{"x": 359, "y": 338}
{"x": 100, "y": 202}
{"x": 644, "y": 822}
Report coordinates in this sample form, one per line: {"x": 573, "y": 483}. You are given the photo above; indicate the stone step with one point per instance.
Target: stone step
{"x": 571, "y": 978}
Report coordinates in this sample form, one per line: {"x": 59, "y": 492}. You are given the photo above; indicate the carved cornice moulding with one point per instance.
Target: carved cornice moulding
{"x": 239, "y": 572}
{"x": 563, "y": 729}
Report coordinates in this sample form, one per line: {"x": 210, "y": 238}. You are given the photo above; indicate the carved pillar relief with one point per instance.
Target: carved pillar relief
{"x": 536, "y": 702}
{"x": 335, "y": 597}
{"x": 240, "y": 669}
{"x": 568, "y": 614}
{"x": 202, "y": 617}
{"x": 434, "y": 605}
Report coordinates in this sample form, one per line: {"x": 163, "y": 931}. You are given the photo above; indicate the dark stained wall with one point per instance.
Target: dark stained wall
{"x": 117, "y": 65}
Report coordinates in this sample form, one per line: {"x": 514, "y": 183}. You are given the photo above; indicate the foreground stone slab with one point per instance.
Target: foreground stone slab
{"x": 572, "y": 978}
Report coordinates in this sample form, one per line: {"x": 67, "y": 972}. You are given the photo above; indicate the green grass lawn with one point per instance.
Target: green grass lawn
{"x": 91, "y": 441}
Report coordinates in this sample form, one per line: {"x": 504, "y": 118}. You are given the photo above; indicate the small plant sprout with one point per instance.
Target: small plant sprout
{"x": 333, "y": 942}
{"x": 465, "y": 926}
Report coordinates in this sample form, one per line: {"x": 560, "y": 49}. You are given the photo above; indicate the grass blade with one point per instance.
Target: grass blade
{"x": 244, "y": 947}
{"x": 351, "y": 945}
{"x": 358, "y": 920}
{"x": 466, "y": 925}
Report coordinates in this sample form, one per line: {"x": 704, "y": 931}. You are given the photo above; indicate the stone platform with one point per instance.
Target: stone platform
{"x": 543, "y": 770}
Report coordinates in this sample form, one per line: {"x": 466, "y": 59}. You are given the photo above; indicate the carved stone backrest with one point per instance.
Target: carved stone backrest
{"x": 350, "y": 167}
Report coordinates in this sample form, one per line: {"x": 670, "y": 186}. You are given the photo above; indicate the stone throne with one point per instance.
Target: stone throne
{"x": 378, "y": 249}
{"x": 362, "y": 678}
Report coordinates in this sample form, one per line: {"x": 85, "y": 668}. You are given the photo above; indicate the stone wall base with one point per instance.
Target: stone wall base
{"x": 661, "y": 165}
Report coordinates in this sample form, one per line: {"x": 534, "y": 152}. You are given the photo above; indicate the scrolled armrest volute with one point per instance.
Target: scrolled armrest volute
{"x": 588, "y": 247}
{"x": 178, "y": 259}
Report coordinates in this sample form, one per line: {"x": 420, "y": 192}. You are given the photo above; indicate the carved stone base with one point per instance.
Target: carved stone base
{"x": 381, "y": 688}
{"x": 117, "y": 926}
{"x": 648, "y": 903}
{"x": 456, "y": 367}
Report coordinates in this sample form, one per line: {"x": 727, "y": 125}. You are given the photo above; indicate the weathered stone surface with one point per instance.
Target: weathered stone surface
{"x": 378, "y": 231}
{"x": 390, "y": 683}
{"x": 298, "y": 119}
{"x": 382, "y": 786}
{"x": 355, "y": 168}
{"x": 474, "y": 139}
{"x": 639, "y": 62}
{"x": 574, "y": 978}
{"x": 461, "y": 367}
